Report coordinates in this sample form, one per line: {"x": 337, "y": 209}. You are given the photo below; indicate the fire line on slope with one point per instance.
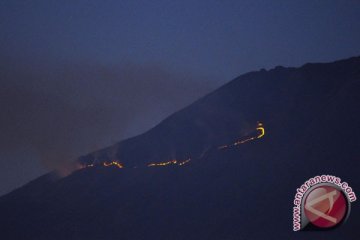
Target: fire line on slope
{"x": 260, "y": 128}
{"x": 261, "y": 133}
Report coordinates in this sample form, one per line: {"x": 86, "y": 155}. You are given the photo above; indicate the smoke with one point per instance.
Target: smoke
{"x": 62, "y": 112}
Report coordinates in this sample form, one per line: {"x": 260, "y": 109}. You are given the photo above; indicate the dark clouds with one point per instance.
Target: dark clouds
{"x": 58, "y": 113}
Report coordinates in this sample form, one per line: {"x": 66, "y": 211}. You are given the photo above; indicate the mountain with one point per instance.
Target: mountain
{"x": 225, "y": 167}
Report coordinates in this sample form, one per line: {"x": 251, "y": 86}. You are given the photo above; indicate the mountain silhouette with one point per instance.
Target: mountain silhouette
{"x": 225, "y": 167}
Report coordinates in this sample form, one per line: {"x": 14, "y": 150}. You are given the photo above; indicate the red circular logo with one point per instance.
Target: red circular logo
{"x": 325, "y": 206}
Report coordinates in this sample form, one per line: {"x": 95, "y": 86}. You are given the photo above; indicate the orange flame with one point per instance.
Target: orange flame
{"x": 113, "y": 163}
{"x": 171, "y": 162}
{"x": 261, "y": 133}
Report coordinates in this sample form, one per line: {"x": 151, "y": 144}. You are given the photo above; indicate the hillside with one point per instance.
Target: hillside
{"x": 225, "y": 167}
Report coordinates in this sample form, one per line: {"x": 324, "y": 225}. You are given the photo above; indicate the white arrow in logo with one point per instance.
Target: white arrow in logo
{"x": 309, "y": 206}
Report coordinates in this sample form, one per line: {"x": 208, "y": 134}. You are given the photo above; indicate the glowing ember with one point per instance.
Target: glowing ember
{"x": 261, "y": 129}
{"x": 172, "y": 162}
{"x": 184, "y": 162}
{"x": 162, "y": 163}
{"x": 113, "y": 163}
{"x": 86, "y": 166}
{"x": 261, "y": 133}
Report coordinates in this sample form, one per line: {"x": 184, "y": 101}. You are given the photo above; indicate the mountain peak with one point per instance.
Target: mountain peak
{"x": 210, "y": 170}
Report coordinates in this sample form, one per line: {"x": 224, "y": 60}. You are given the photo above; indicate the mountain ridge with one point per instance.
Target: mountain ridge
{"x": 196, "y": 106}
{"x": 310, "y": 115}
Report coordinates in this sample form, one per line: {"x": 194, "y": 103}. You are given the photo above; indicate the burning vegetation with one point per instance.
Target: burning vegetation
{"x": 113, "y": 163}
{"x": 261, "y": 132}
{"x": 174, "y": 162}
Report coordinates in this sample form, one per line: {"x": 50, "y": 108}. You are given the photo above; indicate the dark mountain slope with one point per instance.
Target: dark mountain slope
{"x": 281, "y": 95}
{"x": 311, "y": 118}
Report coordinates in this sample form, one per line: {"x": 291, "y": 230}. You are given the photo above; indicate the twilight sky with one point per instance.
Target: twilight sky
{"x": 76, "y": 76}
